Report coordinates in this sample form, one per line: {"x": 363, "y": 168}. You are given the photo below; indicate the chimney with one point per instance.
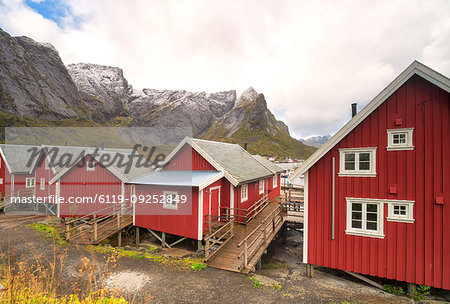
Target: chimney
{"x": 354, "y": 109}
{"x": 245, "y": 146}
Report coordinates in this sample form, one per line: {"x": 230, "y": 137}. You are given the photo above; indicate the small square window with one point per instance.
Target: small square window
{"x": 401, "y": 211}
{"x": 90, "y": 166}
{"x": 29, "y": 182}
{"x": 400, "y": 139}
{"x": 171, "y": 199}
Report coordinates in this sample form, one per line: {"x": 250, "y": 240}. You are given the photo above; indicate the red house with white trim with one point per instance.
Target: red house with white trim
{"x": 201, "y": 178}
{"x": 16, "y": 176}
{"x": 377, "y": 194}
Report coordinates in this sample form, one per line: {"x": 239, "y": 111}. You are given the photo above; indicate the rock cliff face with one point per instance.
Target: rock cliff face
{"x": 37, "y": 89}
{"x": 34, "y": 82}
{"x": 180, "y": 108}
{"x": 316, "y": 141}
{"x": 104, "y": 90}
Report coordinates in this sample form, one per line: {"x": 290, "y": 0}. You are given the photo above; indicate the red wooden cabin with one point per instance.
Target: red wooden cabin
{"x": 16, "y": 176}
{"x": 377, "y": 194}
{"x": 213, "y": 176}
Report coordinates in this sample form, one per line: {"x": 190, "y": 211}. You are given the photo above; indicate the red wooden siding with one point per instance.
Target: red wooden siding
{"x": 46, "y": 174}
{"x": 183, "y": 225}
{"x": 416, "y": 252}
{"x": 19, "y": 182}
{"x": 224, "y": 185}
{"x": 188, "y": 159}
{"x": 80, "y": 183}
{"x": 3, "y": 170}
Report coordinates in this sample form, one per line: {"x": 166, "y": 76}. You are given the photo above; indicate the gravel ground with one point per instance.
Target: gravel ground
{"x": 143, "y": 279}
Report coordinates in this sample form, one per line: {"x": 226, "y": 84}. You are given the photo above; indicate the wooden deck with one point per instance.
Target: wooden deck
{"x": 255, "y": 235}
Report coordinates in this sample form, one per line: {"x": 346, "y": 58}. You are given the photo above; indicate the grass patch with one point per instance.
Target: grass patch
{"x": 182, "y": 264}
{"x": 49, "y": 231}
{"x": 275, "y": 266}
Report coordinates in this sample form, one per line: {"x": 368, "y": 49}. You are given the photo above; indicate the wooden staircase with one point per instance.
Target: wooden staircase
{"x": 243, "y": 250}
{"x": 99, "y": 225}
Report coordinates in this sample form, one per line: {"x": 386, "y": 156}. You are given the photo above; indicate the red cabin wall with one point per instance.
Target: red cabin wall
{"x": 416, "y": 252}
{"x": 46, "y": 174}
{"x": 3, "y": 170}
{"x": 274, "y": 192}
{"x": 188, "y": 159}
{"x": 19, "y": 182}
{"x": 224, "y": 185}
{"x": 155, "y": 217}
{"x": 100, "y": 185}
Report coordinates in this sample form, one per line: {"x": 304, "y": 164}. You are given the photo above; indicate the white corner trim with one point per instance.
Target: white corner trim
{"x": 414, "y": 68}
{"x": 5, "y": 161}
{"x": 305, "y": 219}
{"x": 200, "y": 215}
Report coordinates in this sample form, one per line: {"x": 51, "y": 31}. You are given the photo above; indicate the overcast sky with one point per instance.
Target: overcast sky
{"x": 311, "y": 59}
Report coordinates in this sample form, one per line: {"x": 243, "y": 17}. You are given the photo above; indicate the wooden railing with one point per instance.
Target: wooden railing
{"x": 220, "y": 236}
{"x": 97, "y": 220}
{"x": 249, "y": 213}
{"x": 259, "y": 236}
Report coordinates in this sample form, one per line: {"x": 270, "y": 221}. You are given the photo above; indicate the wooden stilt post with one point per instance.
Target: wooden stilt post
{"x": 411, "y": 289}
{"x": 284, "y": 233}
{"x": 199, "y": 244}
{"x": 95, "y": 227}
{"x": 163, "y": 240}
{"x": 137, "y": 235}
{"x": 119, "y": 239}
{"x": 309, "y": 270}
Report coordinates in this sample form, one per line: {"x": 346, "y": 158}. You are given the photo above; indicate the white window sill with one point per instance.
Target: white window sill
{"x": 400, "y": 148}
{"x": 170, "y": 207}
{"x": 354, "y": 174}
{"x": 360, "y": 233}
{"x": 402, "y": 220}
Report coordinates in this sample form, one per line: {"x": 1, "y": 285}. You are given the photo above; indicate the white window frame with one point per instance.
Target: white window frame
{"x": 261, "y": 186}
{"x": 407, "y": 218}
{"x": 364, "y": 231}
{"x": 168, "y": 205}
{"x": 408, "y": 145}
{"x": 275, "y": 181}
{"x": 373, "y": 162}
{"x": 46, "y": 166}
{"x": 1, "y": 180}
{"x": 29, "y": 182}
{"x": 42, "y": 185}
{"x": 89, "y": 167}
{"x": 244, "y": 198}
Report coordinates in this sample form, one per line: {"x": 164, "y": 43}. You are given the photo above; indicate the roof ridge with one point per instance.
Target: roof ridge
{"x": 216, "y": 142}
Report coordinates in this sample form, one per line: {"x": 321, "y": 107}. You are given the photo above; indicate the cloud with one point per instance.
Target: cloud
{"x": 311, "y": 59}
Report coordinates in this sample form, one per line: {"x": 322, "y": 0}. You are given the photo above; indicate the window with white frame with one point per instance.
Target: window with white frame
{"x": 1, "y": 181}
{"x": 261, "y": 186}
{"x": 244, "y": 193}
{"x": 357, "y": 162}
{"x": 90, "y": 166}
{"x": 275, "y": 181}
{"x": 171, "y": 199}
{"x": 29, "y": 182}
{"x": 46, "y": 164}
{"x": 400, "y": 139}
{"x": 42, "y": 184}
{"x": 401, "y": 211}
{"x": 365, "y": 217}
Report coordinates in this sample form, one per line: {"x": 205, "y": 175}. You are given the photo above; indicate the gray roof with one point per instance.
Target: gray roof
{"x": 115, "y": 165}
{"x": 177, "y": 178}
{"x": 18, "y": 157}
{"x": 236, "y": 161}
{"x": 268, "y": 164}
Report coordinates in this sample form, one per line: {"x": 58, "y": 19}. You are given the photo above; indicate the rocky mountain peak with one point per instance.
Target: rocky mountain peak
{"x": 248, "y": 95}
{"x": 104, "y": 89}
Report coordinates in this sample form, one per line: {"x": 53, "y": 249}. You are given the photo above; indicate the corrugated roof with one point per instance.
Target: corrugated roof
{"x": 178, "y": 178}
{"x": 268, "y": 164}
{"x": 237, "y": 162}
{"x": 17, "y": 157}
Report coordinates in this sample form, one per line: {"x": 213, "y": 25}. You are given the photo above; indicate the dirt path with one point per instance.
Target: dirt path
{"x": 166, "y": 284}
